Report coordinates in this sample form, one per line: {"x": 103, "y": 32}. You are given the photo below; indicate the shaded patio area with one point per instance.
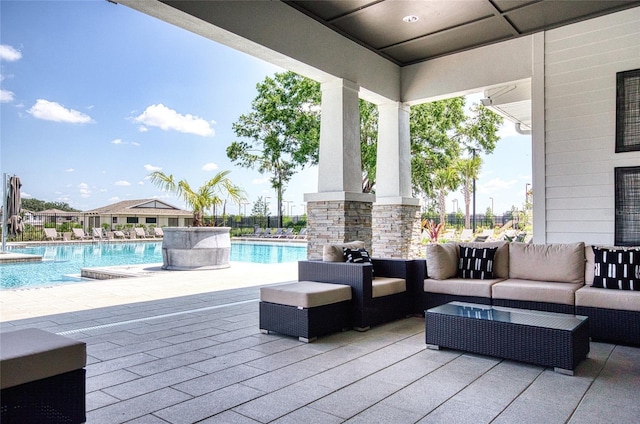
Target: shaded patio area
{"x": 202, "y": 358}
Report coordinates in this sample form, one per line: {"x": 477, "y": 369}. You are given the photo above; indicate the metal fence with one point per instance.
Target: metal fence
{"x": 240, "y": 225}
{"x": 34, "y": 224}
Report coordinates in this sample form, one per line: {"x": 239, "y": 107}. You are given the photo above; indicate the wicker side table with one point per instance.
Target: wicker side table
{"x": 543, "y": 338}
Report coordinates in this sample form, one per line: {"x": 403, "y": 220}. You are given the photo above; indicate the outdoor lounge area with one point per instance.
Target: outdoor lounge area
{"x": 202, "y": 358}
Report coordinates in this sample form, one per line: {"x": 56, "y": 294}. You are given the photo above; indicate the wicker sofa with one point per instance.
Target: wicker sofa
{"x": 549, "y": 277}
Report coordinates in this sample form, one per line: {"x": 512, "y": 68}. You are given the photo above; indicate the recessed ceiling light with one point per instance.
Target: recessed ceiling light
{"x": 410, "y": 18}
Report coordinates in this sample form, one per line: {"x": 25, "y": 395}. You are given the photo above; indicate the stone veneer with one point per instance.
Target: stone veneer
{"x": 337, "y": 221}
{"x": 396, "y": 231}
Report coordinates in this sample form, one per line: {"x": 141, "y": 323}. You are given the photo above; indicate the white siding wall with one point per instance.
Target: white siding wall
{"x": 581, "y": 62}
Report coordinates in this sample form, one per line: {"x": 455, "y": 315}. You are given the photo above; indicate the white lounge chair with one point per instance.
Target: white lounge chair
{"x": 140, "y": 232}
{"x": 96, "y": 233}
{"x": 79, "y": 234}
{"x": 466, "y": 234}
{"x": 118, "y": 234}
{"x": 51, "y": 234}
{"x": 157, "y": 232}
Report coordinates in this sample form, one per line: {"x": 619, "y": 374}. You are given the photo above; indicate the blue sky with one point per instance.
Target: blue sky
{"x": 94, "y": 96}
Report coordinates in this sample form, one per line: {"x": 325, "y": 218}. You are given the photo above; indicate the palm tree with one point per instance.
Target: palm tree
{"x": 210, "y": 194}
{"x": 468, "y": 170}
{"x": 445, "y": 179}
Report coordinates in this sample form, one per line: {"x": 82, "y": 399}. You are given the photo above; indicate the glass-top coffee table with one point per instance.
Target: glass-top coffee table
{"x": 543, "y": 338}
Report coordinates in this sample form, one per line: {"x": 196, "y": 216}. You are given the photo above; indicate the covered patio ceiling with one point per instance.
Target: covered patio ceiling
{"x": 407, "y": 32}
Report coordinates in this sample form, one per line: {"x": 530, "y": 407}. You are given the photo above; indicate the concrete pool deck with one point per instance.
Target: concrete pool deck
{"x": 150, "y": 283}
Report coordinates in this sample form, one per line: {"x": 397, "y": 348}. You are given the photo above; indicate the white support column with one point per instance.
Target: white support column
{"x": 339, "y": 211}
{"x": 538, "y": 140}
{"x": 339, "y": 168}
{"x": 395, "y": 214}
{"x": 393, "y": 174}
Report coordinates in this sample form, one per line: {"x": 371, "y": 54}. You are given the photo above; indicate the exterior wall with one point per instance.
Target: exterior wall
{"x": 337, "y": 222}
{"x": 580, "y": 63}
{"x": 396, "y": 231}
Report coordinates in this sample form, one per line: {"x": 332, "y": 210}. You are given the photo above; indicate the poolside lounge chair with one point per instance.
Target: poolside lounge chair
{"x": 51, "y": 234}
{"x": 288, "y": 233}
{"x": 79, "y": 234}
{"x": 257, "y": 232}
{"x": 157, "y": 232}
{"x": 118, "y": 234}
{"x": 277, "y": 233}
{"x": 96, "y": 233}
{"x": 140, "y": 232}
{"x": 267, "y": 232}
{"x": 466, "y": 234}
{"x": 302, "y": 233}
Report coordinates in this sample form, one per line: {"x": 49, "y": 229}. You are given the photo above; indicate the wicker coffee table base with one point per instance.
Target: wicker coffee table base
{"x": 561, "y": 349}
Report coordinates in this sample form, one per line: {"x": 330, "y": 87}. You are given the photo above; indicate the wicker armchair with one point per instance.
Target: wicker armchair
{"x": 367, "y": 310}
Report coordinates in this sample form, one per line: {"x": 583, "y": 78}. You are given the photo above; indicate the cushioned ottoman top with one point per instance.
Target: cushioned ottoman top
{"x": 306, "y": 294}
{"x": 32, "y": 354}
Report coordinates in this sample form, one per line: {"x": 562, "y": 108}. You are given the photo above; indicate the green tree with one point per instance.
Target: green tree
{"x": 35, "y": 205}
{"x": 281, "y": 134}
{"x": 260, "y": 208}
{"x": 468, "y": 170}
{"x": 368, "y": 144}
{"x": 441, "y": 132}
{"x": 446, "y": 180}
{"x": 212, "y": 193}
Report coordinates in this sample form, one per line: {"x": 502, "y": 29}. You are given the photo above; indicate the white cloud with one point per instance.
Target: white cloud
{"x": 258, "y": 181}
{"x": 69, "y": 170}
{"x": 6, "y": 96}
{"x": 133, "y": 143}
{"x": 52, "y": 111}
{"x": 168, "y": 119}
{"x": 84, "y": 189}
{"x": 122, "y": 183}
{"x": 496, "y": 185}
{"x": 24, "y": 194}
{"x": 9, "y": 54}
{"x": 209, "y": 166}
{"x": 114, "y": 199}
{"x": 117, "y": 141}
{"x": 143, "y": 129}
{"x": 140, "y": 182}
{"x": 150, "y": 168}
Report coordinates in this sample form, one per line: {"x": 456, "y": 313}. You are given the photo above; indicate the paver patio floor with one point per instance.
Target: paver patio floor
{"x": 202, "y": 358}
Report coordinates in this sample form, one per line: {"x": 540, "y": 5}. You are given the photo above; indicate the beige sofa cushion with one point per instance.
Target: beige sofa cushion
{"x": 460, "y": 286}
{"x": 442, "y": 260}
{"x": 547, "y": 262}
{"x": 334, "y": 253}
{"x": 501, "y": 259}
{"x": 385, "y": 286}
{"x": 595, "y": 297}
{"x": 536, "y": 291}
{"x": 305, "y": 294}
{"x": 32, "y": 354}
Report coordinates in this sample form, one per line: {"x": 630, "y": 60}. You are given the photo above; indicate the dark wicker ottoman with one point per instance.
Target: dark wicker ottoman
{"x": 43, "y": 378}
{"x": 543, "y": 338}
{"x": 305, "y": 309}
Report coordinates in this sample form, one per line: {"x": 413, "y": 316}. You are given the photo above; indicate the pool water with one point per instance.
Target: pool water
{"x": 61, "y": 264}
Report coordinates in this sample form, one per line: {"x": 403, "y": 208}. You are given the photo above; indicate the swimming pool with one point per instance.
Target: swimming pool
{"x": 61, "y": 264}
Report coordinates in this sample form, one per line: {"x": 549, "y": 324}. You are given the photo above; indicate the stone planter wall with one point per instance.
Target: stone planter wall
{"x": 337, "y": 222}
{"x": 396, "y": 231}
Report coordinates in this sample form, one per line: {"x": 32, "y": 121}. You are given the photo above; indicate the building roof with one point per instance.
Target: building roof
{"x": 153, "y": 207}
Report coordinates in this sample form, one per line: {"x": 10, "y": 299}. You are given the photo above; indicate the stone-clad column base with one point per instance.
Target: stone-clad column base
{"x": 337, "y": 221}
{"x": 396, "y": 231}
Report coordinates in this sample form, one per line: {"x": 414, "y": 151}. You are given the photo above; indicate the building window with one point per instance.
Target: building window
{"x": 114, "y": 219}
{"x": 628, "y": 111}
{"x": 151, "y": 220}
{"x": 132, "y": 220}
{"x": 627, "y": 206}
{"x": 173, "y": 222}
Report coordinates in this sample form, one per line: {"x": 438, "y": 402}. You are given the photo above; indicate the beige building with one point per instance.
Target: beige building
{"x": 147, "y": 212}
